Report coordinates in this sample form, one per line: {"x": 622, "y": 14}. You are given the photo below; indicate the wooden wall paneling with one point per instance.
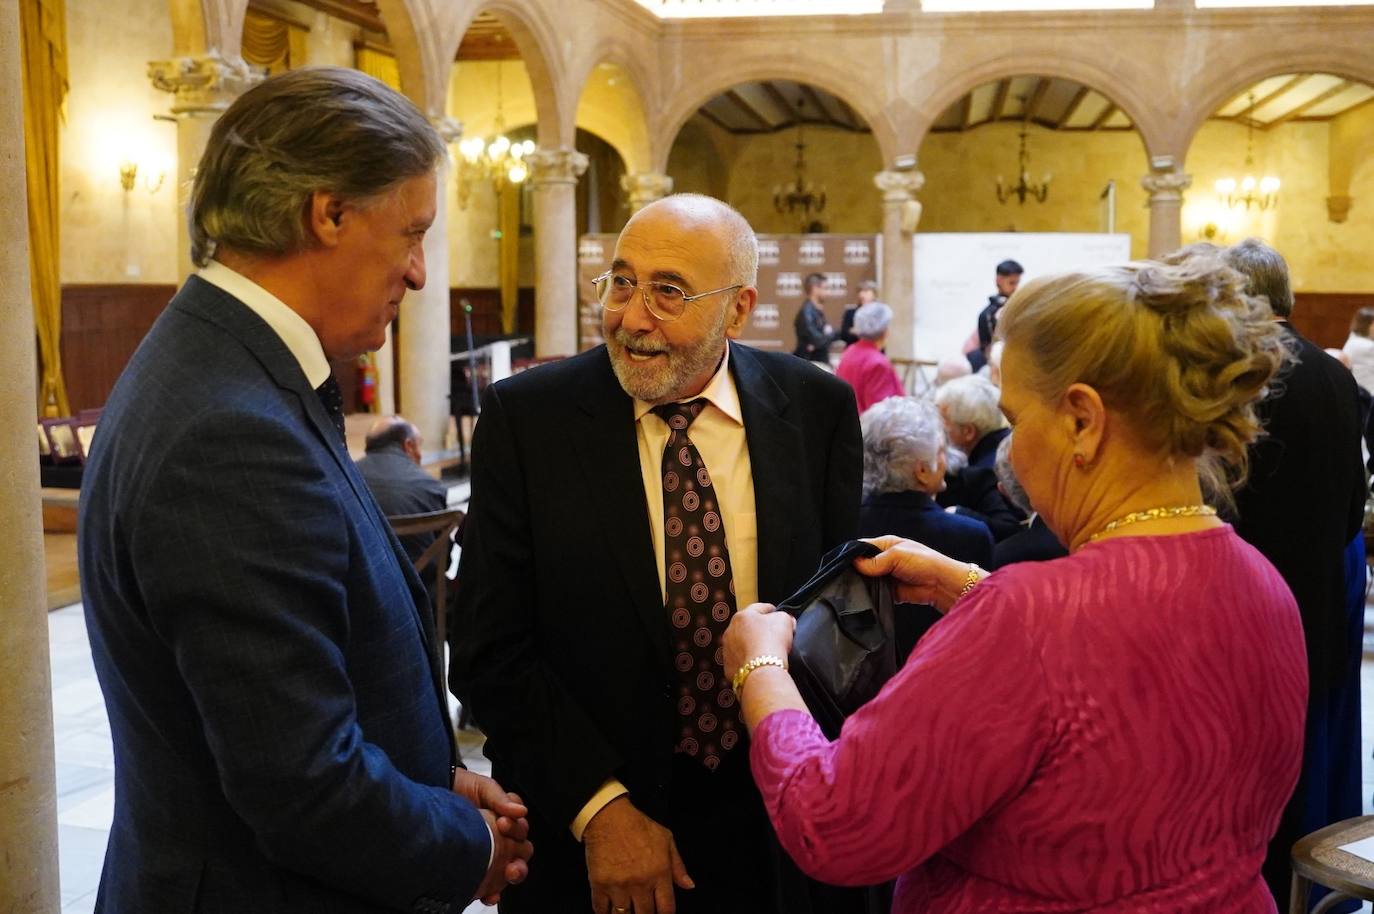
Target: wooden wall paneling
{"x": 1324, "y": 317}
{"x": 102, "y": 325}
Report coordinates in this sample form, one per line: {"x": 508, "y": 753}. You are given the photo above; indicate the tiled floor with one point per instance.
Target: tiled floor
{"x": 85, "y": 767}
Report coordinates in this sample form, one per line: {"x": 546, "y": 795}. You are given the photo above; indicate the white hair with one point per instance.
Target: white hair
{"x": 1006, "y": 477}
{"x": 871, "y": 320}
{"x": 900, "y": 434}
{"x": 971, "y": 400}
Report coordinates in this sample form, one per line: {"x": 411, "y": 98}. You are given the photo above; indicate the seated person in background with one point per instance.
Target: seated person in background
{"x": 1359, "y": 348}
{"x": 1072, "y": 736}
{"x": 863, "y": 365}
{"x": 975, "y": 426}
{"x": 904, "y": 468}
{"x": 814, "y": 333}
{"x": 868, "y": 293}
{"x": 391, "y": 468}
{"x": 956, "y": 366}
{"x": 1035, "y": 542}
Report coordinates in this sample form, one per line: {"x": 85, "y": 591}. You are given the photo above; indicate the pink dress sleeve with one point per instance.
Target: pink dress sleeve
{"x": 957, "y": 731}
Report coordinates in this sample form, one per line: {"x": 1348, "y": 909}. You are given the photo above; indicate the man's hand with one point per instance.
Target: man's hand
{"x": 632, "y": 862}
{"x": 505, "y": 815}
{"x": 510, "y": 858}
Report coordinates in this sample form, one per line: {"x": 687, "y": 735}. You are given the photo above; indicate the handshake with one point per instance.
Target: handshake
{"x": 505, "y": 816}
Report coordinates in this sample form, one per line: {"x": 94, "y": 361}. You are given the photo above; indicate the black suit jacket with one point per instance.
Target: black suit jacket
{"x": 1304, "y": 500}
{"x": 973, "y": 490}
{"x": 281, "y": 736}
{"x": 1035, "y": 542}
{"x": 812, "y": 341}
{"x": 561, "y": 644}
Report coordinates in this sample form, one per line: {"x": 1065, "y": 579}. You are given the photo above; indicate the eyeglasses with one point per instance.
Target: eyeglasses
{"x": 664, "y": 300}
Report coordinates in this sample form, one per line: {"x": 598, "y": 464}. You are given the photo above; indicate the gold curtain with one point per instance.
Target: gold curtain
{"x": 508, "y": 202}
{"x": 378, "y": 64}
{"x": 273, "y": 43}
{"x": 43, "y": 27}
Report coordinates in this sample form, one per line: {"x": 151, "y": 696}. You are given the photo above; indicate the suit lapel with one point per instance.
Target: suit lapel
{"x": 608, "y": 449}
{"x": 774, "y": 446}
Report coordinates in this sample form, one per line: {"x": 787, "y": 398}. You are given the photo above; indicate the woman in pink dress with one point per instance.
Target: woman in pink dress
{"x": 1117, "y": 730}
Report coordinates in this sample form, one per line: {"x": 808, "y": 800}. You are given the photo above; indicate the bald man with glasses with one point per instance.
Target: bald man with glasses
{"x": 625, "y": 502}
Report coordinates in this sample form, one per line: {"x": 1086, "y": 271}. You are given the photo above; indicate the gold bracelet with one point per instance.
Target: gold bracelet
{"x": 971, "y": 579}
{"x": 763, "y": 660}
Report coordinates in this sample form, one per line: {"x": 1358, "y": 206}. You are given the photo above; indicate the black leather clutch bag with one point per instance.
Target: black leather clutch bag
{"x": 844, "y": 650}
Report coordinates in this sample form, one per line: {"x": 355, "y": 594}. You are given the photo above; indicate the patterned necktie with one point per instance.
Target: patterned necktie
{"x": 700, "y": 593}
{"x": 332, "y": 398}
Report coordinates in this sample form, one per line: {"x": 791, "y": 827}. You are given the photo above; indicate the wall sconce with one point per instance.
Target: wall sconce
{"x": 128, "y": 178}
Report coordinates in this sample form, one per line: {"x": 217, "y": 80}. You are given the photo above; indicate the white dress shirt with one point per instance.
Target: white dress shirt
{"x": 298, "y": 336}
{"x": 718, "y": 433}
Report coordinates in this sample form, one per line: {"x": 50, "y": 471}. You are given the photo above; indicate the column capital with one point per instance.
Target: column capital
{"x": 449, "y": 130}
{"x": 1166, "y": 186}
{"x": 556, "y": 166}
{"x": 205, "y": 84}
{"x": 899, "y": 186}
{"x": 1338, "y": 208}
{"x": 645, "y": 187}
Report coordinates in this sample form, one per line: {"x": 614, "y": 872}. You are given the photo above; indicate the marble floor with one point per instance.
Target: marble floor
{"x": 85, "y": 790}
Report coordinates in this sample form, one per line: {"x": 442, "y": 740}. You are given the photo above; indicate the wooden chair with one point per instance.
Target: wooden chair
{"x": 434, "y": 562}
{"x": 1318, "y": 860}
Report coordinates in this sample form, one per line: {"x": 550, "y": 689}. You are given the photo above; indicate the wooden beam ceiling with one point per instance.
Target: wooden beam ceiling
{"x": 1102, "y": 118}
{"x": 1313, "y": 102}
{"x": 740, "y": 102}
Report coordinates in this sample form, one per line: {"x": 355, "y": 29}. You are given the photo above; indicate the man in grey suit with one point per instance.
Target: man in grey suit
{"x": 281, "y": 735}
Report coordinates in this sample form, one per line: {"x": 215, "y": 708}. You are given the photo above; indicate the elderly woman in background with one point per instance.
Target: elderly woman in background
{"x": 975, "y": 426}
{"x": 1116, "y": 730}
{"x": 863, "y": 364}
{"x": 904, "y": 468}
{"x": 1035, "y": 542}
{"x": 1359, "y": 348}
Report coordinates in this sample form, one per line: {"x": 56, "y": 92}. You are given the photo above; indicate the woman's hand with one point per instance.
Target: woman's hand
{"x": 755, "y": 631}
{"x": 921, "y": 574}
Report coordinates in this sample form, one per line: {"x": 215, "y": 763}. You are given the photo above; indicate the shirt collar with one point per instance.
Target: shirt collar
{"x": 720, "y": 392}
{"x": 298, "y": 336}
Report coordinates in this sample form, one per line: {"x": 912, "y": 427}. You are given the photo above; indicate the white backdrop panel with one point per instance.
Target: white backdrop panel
{"x": 954, "y": 275}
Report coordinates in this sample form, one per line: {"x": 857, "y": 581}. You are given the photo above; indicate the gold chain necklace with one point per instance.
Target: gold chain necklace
{"x": 1155, "y": 514}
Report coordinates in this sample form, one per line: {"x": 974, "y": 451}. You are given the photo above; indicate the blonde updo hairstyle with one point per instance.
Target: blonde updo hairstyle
{"x": 1179, "y": 349}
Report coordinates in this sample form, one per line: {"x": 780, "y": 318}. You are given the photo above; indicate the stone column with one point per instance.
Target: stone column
{"x": 901, "y": 213}
{"x": 553, "y": 176}
{"x": 202, "y": 88}
{"x": 1166, "y": 187}
{"x": 422, "y": 337}
{"x": 28, "y": 791}
{"x": 644, "y": 188}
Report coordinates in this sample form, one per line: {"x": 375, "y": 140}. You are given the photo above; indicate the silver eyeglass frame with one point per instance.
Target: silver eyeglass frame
{"x": 644, "y": 289}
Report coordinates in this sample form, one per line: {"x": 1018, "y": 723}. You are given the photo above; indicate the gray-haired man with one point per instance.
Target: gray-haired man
{"x": 281, "y": 736}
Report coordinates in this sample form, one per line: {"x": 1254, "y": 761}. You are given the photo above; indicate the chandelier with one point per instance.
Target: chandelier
{"x": 495, "y": 160}
{"x": 800, "y": 196}
{"x": 1024, "y": 187}
{"x": 1262, "y": 193}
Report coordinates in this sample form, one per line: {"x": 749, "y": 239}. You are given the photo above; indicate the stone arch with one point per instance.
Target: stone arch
{"x": 1148, "y": 122}
{"x": 1246, "y": 66}
{"x": 637, "y": 142}
{"x": 534, "y": 37}
{"x": 832, "y": 78}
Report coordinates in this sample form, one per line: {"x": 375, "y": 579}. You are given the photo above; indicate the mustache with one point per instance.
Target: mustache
{"x": 640, "y": 345}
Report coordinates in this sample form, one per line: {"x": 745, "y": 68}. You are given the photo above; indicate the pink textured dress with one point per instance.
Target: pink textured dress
{"x": 1113, "y": 731}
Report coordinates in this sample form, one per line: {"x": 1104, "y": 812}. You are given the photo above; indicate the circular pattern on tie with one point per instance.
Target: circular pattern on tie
{"x": 697, "y": 574}
{"x": 729, "y": 739}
